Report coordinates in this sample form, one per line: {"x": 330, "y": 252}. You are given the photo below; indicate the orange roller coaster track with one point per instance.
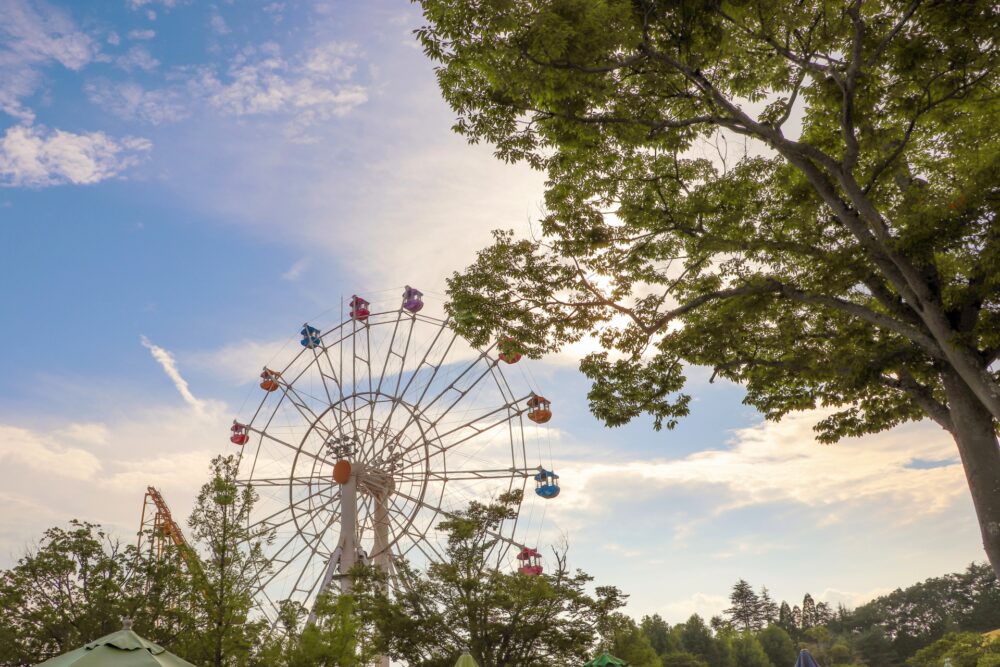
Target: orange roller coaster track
{"x": 158, "y": 532}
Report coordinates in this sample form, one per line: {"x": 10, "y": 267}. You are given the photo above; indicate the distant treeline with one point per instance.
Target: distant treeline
{"x": 921, "y": 625}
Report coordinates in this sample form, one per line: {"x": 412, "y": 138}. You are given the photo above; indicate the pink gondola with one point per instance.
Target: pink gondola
{"x": 531, "y": 562}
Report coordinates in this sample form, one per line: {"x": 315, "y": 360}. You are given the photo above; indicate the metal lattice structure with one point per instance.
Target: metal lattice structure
{"x": 413, "y": 423}
{"x": 157, "y": 528}
{"x": 161, "y": 536}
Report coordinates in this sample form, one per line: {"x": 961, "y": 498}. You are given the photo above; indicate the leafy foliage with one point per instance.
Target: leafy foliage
{"x": 847, "y": 258}
{"x": 233, "y": 561}
{"x": 78, "y": 585}
{"x": 466, "y": 602}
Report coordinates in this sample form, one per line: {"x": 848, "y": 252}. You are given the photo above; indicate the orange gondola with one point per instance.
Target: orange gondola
{"x": 269, "y": 379}
{"x": 539, "y": 409}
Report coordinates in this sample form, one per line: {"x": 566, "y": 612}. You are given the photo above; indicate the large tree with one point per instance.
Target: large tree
{"x": 847, "y": 257}
{"x": 232, "y": 562}
{"x": 745, "y": 612}
{"x": 79, "y": 584}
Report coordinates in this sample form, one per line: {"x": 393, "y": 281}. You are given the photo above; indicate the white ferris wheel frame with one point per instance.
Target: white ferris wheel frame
{"x": 385, "y": 471}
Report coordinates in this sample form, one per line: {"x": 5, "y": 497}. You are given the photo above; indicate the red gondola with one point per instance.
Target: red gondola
{"x": 508, "y": 351}
{"x": 240, "y": 434}
{"x": 359, "y": 308}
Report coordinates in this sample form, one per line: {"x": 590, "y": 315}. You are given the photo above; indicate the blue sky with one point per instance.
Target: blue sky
{"x": 203, "y": 177}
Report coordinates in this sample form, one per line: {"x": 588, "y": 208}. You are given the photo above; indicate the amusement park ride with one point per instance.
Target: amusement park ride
{"x": 370, "y": 434}
{"x": 373, "y": 431}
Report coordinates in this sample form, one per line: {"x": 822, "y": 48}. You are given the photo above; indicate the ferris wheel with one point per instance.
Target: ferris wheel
{"x": 374, "y": 431}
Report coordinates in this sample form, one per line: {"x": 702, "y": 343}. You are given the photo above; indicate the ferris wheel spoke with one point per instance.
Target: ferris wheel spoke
{"x": 462, "y": 393}
{"x": 448, "y": 514}
{"x": 291, "y": 508}
{"x": 469, "y": 475}
{"x": 294, "y": 518}
{"x": 307, "y": 544}
{"x": 470, "y": 429}
{"x": 264, "y": 433}
{"x": 307, "y": 413}
{"x": 286, "y": 481}
{"x": 390, "y": 353}
{"x": 430, "y": 380}
{"x": 418, "y": 540}
{"x": 313, "y": 553}
{"x": 318, "y": 534}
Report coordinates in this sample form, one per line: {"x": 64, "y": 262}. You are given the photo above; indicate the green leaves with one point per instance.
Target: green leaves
{"x": 673, "y": 193}
{"x": 626, "y": 388}
{"x": 467, "y": 602}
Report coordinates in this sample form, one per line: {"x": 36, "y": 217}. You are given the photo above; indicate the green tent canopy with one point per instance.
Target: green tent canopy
{"x": 606, "y": 660}
{"x": 119, "y": 649}
{"x": 466, "y": 661}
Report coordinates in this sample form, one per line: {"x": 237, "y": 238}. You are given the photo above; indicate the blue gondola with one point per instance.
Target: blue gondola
{"x": 310, "y": 336}
{"x": 546, "y": 484}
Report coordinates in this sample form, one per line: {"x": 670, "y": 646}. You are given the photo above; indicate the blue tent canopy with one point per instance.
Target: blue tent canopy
{"x": 806, "y": 660}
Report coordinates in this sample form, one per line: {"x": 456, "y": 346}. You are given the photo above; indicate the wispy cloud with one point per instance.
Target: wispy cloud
{"x": 301, "y": 90}
{"x": 131, "y": 101}
{"x": 45, "y": 454}
{"x": 218, "y": 25}
{"x": 34, "y": 157}
{"x": 296, "y": 270}
{"x": 309, "y": 88}
{"x": 141, "y": 34}
{"x": 137, "y": 58}
{"x": 139, "y": 4}
{"x": 782, "y": 463}
{"x": 34, "y": 36}
{"x": 169, "y": 365}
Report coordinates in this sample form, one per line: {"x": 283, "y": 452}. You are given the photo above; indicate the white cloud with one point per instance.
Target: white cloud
{"x": 169, "y": 365}
{"x": 141, "y": 34}
{"x": 137, "y": 57}
{"x": 296, "y": 270}
{"x": 328, "y": 60}
{"x": 131, "y": 101}
{"x": 114, "y": 39}
{"x": 33, "y": 157}
{"x": 33, "y": 36}
{"x": 48, "y": 481}
{"x": 218, "y": 25}
{"x": 139, "y": 4}
{"x": 782, "y": 463}
{"x": 24, "y": 448}
{"x": 301, "y": 91}
{"x": 88, "y": 433}
{"x": 703, "y": 604}
{"x": 850, "y": 599}
{"x": 308, "y": 89}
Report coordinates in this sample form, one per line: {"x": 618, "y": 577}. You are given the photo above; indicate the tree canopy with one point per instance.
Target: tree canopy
{"x": 801, "y": 196}
{"x": 467, "y": 603}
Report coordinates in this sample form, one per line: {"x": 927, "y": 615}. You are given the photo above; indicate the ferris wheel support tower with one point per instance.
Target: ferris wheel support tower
{"x": 348, "y": 552}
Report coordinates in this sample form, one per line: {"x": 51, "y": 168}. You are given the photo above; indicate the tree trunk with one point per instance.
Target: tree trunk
{"x": 975, "y": 435}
